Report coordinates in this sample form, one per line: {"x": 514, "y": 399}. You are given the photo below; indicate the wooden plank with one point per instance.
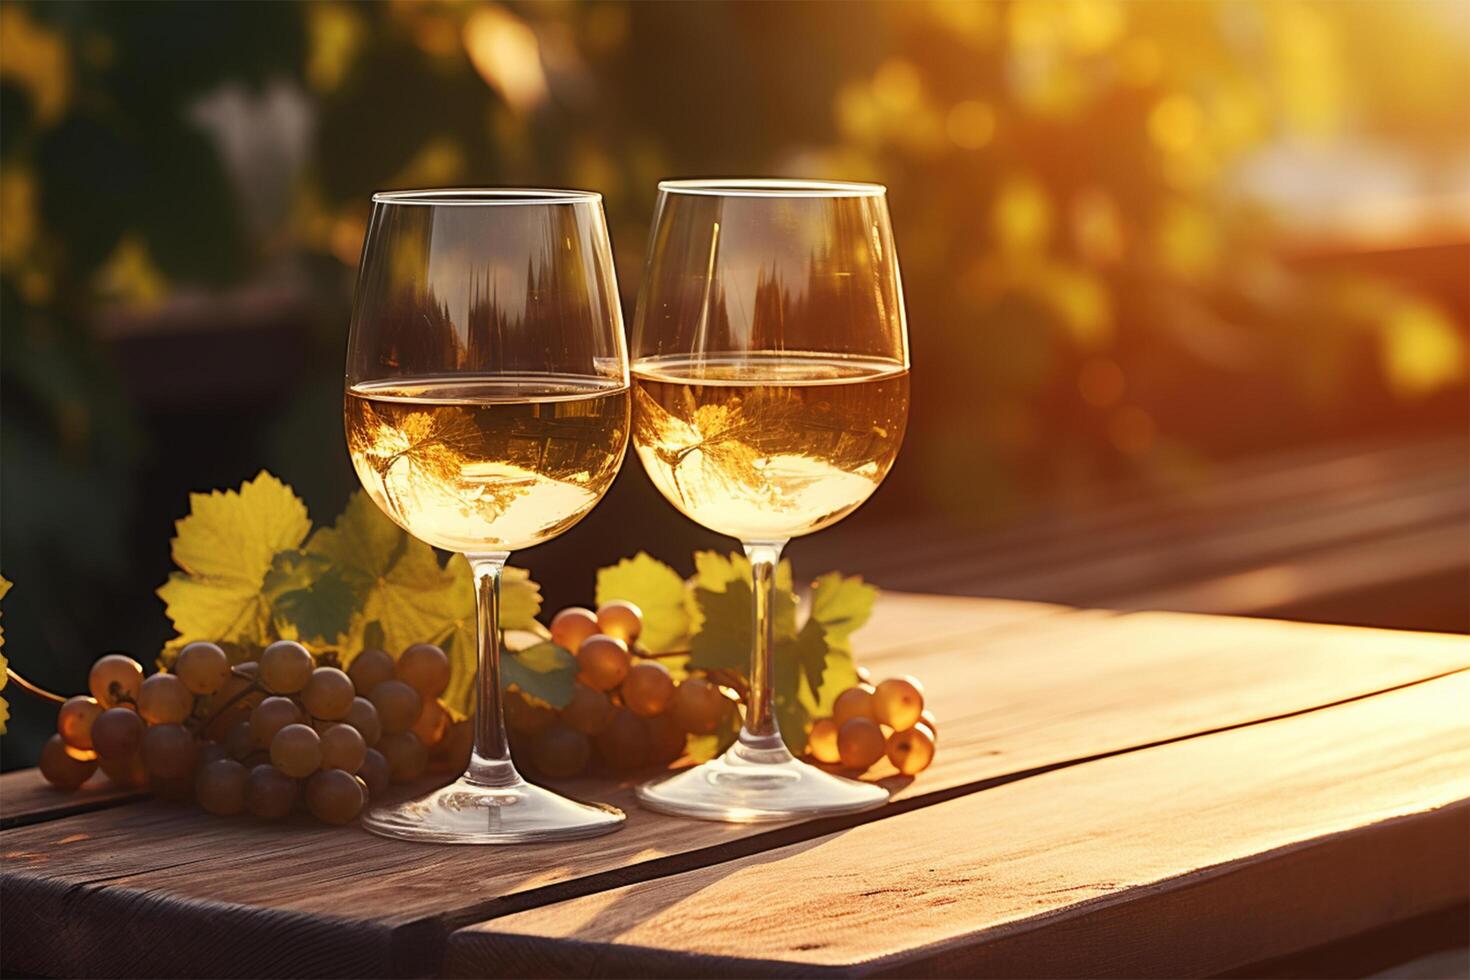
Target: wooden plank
{"x": 1277, "y": 511}
{"x": 1032, "y": 694}
{"x": 1183, "y": 860}
{"x": 26, "y": 798}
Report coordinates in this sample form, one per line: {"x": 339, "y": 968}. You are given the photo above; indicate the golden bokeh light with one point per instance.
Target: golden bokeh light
{"x": 505, "y": 51}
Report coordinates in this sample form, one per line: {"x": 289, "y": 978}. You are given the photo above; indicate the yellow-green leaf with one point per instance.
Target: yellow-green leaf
{"x": 405, "y": 596}
{"x": 658, "y": 591}
{"x": 520, "y": 600}
{"x": 842, "y": 603}
{"x": 225, "y": 548}
{"x": 544, "y": 671}
{"x": 714, "y": 571}
{"x": 310, "y": 598}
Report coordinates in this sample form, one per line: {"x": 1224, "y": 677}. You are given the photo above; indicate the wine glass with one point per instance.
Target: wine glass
{"x": 770, "y": 395}
{"x": 487, "y": 411}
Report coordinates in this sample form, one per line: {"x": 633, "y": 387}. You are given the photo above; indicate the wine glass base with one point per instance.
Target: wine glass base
{"x": 748, "y": 785}
{"x": 466, "y": 812}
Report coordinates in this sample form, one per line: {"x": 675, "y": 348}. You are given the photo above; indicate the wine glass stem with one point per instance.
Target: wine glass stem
{"x": 760, "y": 731}
{"x": 490, "y": 763}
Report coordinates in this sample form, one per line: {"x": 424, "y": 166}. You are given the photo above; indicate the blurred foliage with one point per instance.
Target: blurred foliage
{"x": 1090, "y": 294}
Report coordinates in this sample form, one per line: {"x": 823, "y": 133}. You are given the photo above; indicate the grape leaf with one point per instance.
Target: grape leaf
{"x": 842, "y": 604}
{"x": 714, "y": 571}
{"x": 310, "y": 598}
{"x": 800, "y": 663}
{"x": 544, "y": 671}
{"x": 404, "y": 596}
{"x": 658, "y": 591}
{"x": 225, "y": 548}
{"x": 800, "y": 660}
{"x": 4, "y": 705}
{"x": 725, "y": 633}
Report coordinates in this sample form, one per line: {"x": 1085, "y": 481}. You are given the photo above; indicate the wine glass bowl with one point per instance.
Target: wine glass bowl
{"x": 487, "y": 410}
{"x": 770, "y": 397}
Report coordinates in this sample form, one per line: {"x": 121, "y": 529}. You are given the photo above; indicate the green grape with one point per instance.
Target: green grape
{"x": 169, "y": 752}
{"x": 698, "y": 707}
{"x": 398, "y": 704}
{"x": 604, "y": 661}
{"x": 203, "y": 667}
{"x": 648, "y": 688}
{"x": 285, "y": 667}
{"x": 61, "y": 768}
{"x": 239, "y": 740}
{"x": 433, "y": 722}
{"x": 117, "y": 733}
{"x": 527, "y": 717}
{"x": 334, "y": 796}
{"x": 898, "y": 703}
{"x": 220, "y": 787}
{"x": 296, "y": 750}
{"x": 406, "y": 755}
{"x": 911, "y": 750}
{"x": 621, "y": 619}
{"x": 452, "y": 754}
{"x": 860, "y": 743}
{"x": 666, "y": 740}
{"x": 374, "y": 772}
{"x": 822, "y": 742}
{"x": 855, "y": 702}
{"x": 571, "y": 626}
{"x": 926, "y": 717}
{"x": 624, "y": 743}
{"x": 75, "y": 718}
{"x": 328, "y": 694}
{"x": 126, "y": 772}
{"x": 115, "y": 679}
{"x": 369, "y": 669}
{"x": 239, "y": 697}
{"x": 425, "y": 668}
{"x": 343, "y": 748}
{"x": 164, "y": 700}
{"x": 269, "y": 793}
{"x": 561, "y": 752}
{"x": 364, "y": 717}
{"x": 588, "y": 711}
{"x": 269, "y": 717}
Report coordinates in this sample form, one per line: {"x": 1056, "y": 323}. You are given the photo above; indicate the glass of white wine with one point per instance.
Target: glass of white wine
{"x": 487, "y": 411}
{"x": 770, "y": 396}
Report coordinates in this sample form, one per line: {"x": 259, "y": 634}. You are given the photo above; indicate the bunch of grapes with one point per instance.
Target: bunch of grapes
{"x": 869, "y": 722}
{"x": 263, "y": 736}
{"x": 626, "y": 712}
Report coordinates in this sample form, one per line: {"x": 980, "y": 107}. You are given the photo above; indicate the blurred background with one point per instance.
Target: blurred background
{"x": 1188, "y": 282}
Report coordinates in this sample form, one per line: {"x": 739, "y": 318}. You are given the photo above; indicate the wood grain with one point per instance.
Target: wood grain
{"x": 1146, "y": 549}
{"x": 166, "y": 890}
{"x": 1187, "y": 859}
{"x": 26, "y": 798}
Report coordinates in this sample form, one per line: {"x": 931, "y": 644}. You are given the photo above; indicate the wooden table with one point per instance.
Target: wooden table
{"x": 1119, "y": 794}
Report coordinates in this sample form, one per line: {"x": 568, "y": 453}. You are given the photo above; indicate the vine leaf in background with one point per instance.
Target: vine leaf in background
{"x": 658, "y": 591}
{"x": 225, "y": 548}
{"x": 250, "y": 575}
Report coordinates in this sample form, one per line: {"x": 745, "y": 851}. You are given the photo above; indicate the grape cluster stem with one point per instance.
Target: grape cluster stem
{"x": 35, "y": 690}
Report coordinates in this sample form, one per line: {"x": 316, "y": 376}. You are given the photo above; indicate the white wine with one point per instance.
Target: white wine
{"x": 768, "y": 446}
{"x": 487, "y": 463}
